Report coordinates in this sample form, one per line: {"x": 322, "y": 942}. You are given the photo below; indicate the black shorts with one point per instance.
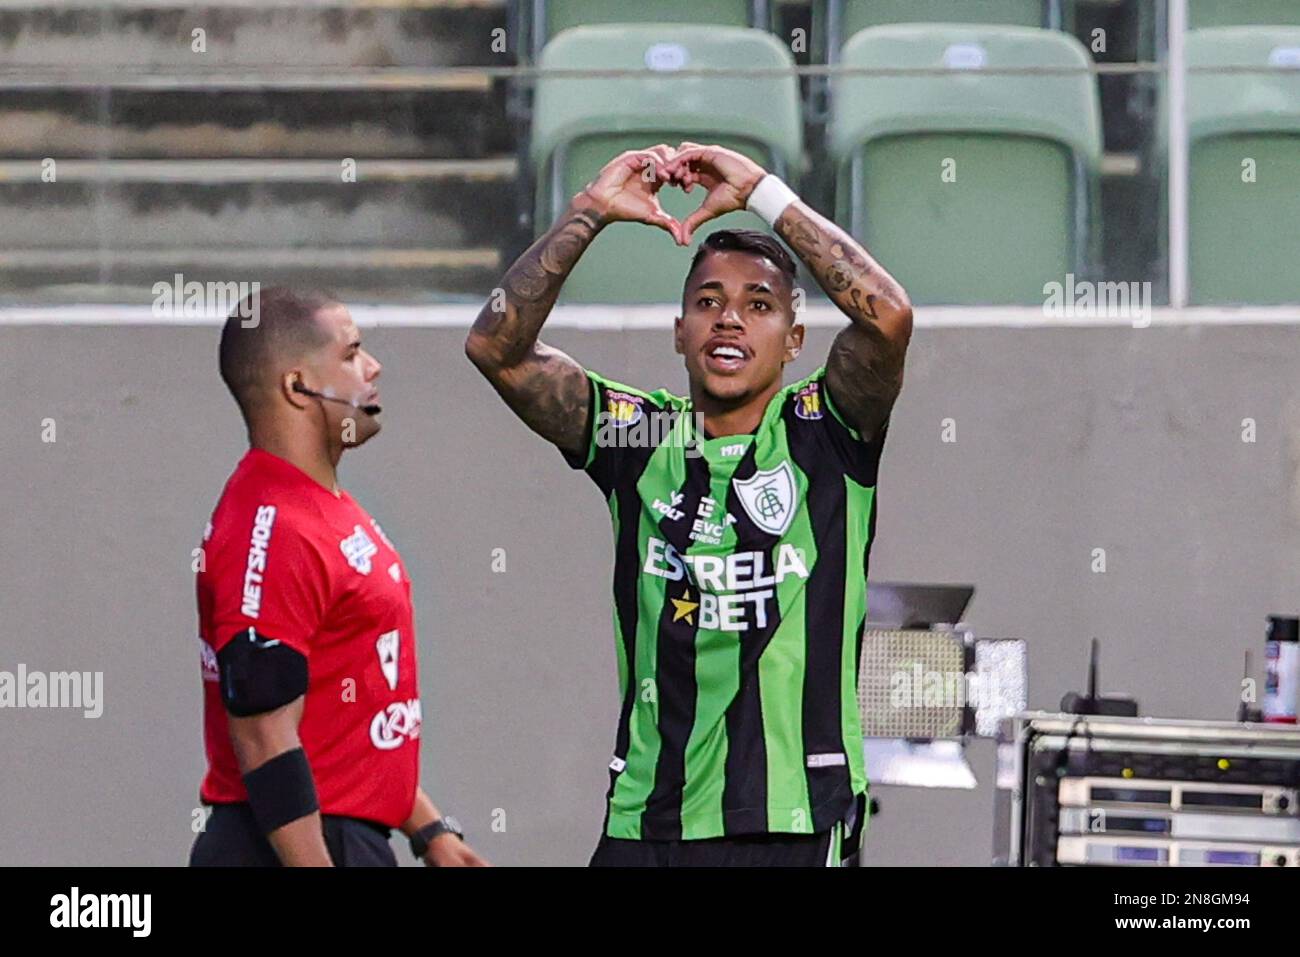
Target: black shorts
{"x": 233, "y": 839}
{"x": 836, "y": 847}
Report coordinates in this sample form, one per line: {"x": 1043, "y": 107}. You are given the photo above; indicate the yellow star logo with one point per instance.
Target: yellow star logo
{"x": 685, "y": 608}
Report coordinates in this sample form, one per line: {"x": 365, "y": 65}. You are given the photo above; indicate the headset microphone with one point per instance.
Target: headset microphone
{"x": 367, "y": 409}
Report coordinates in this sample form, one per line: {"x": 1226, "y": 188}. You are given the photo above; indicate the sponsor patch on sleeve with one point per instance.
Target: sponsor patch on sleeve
{"x": 623, "y": 408}
{"x": 808, "y": 402}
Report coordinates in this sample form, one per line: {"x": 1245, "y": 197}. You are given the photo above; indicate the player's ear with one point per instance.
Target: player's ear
{"x": 794, "y": 341}
{"x": 290, "y": 383}
{"x": 677, "y": 336}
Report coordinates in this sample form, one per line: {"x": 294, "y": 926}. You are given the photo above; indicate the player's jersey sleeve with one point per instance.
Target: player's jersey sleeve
{"x": 624, "y": 426}
{"x": 271, "y": 576}
{"x": 859, "y": 456}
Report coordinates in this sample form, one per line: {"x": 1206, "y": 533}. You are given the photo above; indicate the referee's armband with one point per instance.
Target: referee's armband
{"x": 281, "y": 790}
{"x": 259, "y": 674}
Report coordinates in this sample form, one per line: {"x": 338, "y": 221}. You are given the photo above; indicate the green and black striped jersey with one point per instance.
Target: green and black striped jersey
{"x": 739, "y": 600}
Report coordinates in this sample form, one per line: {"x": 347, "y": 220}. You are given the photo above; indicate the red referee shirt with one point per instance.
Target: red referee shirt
{"x": 287, "y": 557}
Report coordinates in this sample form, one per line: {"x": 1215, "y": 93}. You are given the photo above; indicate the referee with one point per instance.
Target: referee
{"x": 743, "y": 514}
{"x": 307, "y": 640}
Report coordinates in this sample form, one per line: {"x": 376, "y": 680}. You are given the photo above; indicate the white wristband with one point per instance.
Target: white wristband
{"x": 770, "y": 198}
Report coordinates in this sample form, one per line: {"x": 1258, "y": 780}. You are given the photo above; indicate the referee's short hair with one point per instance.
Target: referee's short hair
{"x": 267, "y": 328}
{"x": 745, "y": 241}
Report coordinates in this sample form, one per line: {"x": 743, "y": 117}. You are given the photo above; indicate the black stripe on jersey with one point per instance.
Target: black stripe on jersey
{"x": 830, "y": 787}
{"x": 627, "y": 576}
{"x": 745, "y": 785}
{"x": 866, "y": 567}
{"x": 675, "y": 683}
{"x": 860, "y": 460}
{"x": 627, "y": 564}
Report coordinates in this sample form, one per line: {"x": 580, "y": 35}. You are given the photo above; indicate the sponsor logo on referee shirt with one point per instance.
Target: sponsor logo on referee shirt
{"x": 208, "y": 661}
{"x": 396, "y": 724}
{"x": 358, "y": 549}
{"x": 263, "y": 522}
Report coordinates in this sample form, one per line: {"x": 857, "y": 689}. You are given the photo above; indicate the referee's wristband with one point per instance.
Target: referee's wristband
{"x": 281, "y": 790}
{"x": 770, "y": 198}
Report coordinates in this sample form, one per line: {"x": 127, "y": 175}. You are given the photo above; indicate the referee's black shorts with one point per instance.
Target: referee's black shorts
{"x": 233, "y": 839}
{"x": 836, "y": 847}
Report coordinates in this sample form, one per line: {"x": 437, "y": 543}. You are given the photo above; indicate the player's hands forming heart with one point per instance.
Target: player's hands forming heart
{"x": 626, "y": 189}
{"x": 728, "y": 177}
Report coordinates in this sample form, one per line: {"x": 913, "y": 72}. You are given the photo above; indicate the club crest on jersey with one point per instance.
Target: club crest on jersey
{"x": 358, "y": 549}
{"x": 808, "y": 402}
{"x": 768, "y": 498}
{"x": 387, "y": 646}
{"x": 623, "y": 409}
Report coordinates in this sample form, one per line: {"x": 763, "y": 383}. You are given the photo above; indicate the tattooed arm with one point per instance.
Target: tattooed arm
{"x": 547, "y": 389}
{"x": 544, "y": 387}
{"x": 865, "y": 370}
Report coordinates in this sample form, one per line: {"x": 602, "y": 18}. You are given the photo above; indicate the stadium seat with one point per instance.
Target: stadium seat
{"x": 834, "y": 21}
{"x": 1244, "y": 158}
{"x": 544, "y": 19}
{"x": 581, "y": 123}
{"x": 1202, "y": 14}
{"x": 971, "y": 187}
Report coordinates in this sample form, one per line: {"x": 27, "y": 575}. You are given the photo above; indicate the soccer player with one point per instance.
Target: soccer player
{"x": 743, "y": 514}
{"x": 311, "y": 706}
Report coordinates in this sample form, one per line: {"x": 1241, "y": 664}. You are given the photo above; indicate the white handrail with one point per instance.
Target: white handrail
{"x": 1178, "y": 154}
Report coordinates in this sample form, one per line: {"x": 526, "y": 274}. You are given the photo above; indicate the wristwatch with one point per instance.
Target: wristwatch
{"x": 422, "y": 838}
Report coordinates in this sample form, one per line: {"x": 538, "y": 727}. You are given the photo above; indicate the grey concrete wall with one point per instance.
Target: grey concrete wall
{"x": 1066, "y": 440}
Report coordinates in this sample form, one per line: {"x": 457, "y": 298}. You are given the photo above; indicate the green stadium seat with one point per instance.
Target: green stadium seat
{"x": 547, "y": 18}
{"x": 834, "y": 21}
{"x": 861, "y": 14}
{"x": 1202, "y": 14}
{"x": 1244, "y": 237}
{"x": 580, "y": 123}
{"x": 1022, "y": 152}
